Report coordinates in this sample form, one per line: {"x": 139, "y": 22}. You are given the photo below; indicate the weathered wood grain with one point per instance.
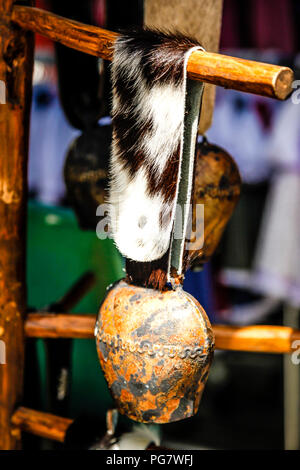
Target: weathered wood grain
{"x": 85, "y": 38}
{"x": 230, "y": 72}
{"x": 41, "y": 424}
{"x": 200, "y": 19}
{"x": 16, "y": 57}
{"x": 256, "y": 338}
{"x": 51, "y": 325}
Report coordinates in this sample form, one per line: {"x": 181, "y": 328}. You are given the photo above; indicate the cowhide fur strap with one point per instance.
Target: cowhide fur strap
{"x": 155, "y": 116}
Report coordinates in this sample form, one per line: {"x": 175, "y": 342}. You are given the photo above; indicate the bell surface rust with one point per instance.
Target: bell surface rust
{"x": 155, "y": 349}
{"x": 217, "y": 186}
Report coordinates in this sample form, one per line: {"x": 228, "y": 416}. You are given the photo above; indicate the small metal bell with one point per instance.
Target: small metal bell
{"x": 217, "y": 185}
{"x": 86, "y": 174}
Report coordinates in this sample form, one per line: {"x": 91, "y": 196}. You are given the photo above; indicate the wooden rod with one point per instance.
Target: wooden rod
{"x": 85, "y": 38}
{"x": 16, "y": 60}
{"x": 41, "y": 424}
{"x": 257, "y": 338}
{"x": 229, "y": 72}
{"x": 54, "y": 427}
{"x": 51, "y": 325}
{"x": 265, "y": 339}
{"x": 240, "y": 74}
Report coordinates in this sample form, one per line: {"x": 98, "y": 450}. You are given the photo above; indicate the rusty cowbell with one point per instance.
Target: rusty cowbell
{"x": 155, "y": 349}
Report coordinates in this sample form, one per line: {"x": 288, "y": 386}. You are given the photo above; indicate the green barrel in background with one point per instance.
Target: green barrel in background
{"x": 58, "y": 253}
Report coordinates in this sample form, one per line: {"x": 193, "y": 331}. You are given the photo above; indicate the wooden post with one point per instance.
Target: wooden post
{"x": 200, "y": 19}
{"x": 16, "y": 58}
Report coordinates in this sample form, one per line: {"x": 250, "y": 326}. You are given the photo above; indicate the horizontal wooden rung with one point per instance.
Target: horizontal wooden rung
{"x": 41, "y": 424}
{"x": 257, "y": 338}
{"x": 229, "y": 72}
{"x": 59, "y": 325}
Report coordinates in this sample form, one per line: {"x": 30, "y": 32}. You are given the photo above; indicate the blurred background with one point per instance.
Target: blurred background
{"x": 254, "y": 276}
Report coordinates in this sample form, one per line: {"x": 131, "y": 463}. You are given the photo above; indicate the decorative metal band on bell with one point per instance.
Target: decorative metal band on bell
{"x": 155, "y": 349}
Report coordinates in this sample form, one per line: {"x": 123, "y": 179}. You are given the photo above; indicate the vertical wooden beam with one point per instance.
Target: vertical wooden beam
{"x": 16, "y": 58}
{"x": 200, "y": 19}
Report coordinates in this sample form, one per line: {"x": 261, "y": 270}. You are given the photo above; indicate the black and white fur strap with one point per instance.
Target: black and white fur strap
{"x": 155, "y": 116}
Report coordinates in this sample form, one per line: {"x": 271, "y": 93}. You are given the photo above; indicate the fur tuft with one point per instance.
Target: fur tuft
{"x": 149, "y": 91}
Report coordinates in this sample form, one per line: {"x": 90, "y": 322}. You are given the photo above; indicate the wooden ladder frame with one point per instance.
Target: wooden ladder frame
{"x": 17, "y": 25}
